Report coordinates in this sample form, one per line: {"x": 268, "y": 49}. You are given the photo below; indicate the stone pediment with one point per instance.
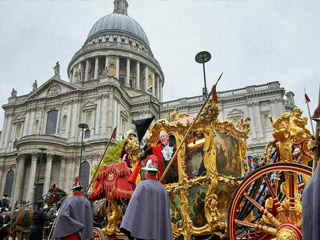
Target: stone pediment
{"x": 89, "y": 105}
{"x": 235, "y": 112}
{"x": 51, "y": 88}
{"x": 19, "y": 118}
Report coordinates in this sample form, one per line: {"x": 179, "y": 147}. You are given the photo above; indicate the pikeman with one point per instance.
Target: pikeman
{"x": 148, "y": 214}
{"x": 74, "y": 221}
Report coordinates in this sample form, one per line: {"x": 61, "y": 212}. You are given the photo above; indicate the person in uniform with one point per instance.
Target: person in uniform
{"x": 5, "y": 202}
{"x": 75, "y": 220}
{"x": 4, "y": 221}
{"x": 38, "y": 219}
{"x": 164, "y": 152}
{"x": 148, "y": 215}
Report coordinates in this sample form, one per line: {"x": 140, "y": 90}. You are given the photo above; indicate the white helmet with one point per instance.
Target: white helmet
{"x": 152, "y": 164}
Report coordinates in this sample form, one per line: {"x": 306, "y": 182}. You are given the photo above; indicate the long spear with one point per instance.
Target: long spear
{"x": 316, "y": 137}
{"x": 113, "y": 136}
{"x": 213, "y": 91}
{"x": 307, "y": 102}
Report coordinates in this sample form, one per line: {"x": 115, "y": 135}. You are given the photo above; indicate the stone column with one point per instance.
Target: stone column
{"x": 62, "y": 172}
{"x": 19, "y": 174}
{"x": 117, "y": 67}
{"x": 110, "y": 114}
{"x": 86, "y": 73}
{"x": 98, "y": 112}
{"x": 251, "y": 115}
{"x": 158, "y": 87}
{"x": 96, "y": 68}
{"x": 104, "y": 112}
{"x": 153, "y": 84}
{"x": 26, "y": 124}
{"x": 81, "y": 71}
{"x": 32, "y": 175}
{"x": 146, "y": 79}
{"x": 128, "y": 73}
{"x": 47, "y": 176}
{"x": 138, "y": 76}
{"x": 161, "y": 90}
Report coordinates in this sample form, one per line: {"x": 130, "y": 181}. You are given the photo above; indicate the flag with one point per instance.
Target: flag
{"x": 214, "y": 93}
{"x": 307, "y": 98}
{"x": 316, "y": 114}
{"x": 142, "y": 126}
{"x": 114, "y": 133}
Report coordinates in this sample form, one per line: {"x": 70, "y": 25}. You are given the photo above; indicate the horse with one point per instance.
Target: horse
{"x": 54, "y": 199}
{"x": 22, "y": 222}
{"x": 54, "y": 196}
{"x": 99, "y": 212}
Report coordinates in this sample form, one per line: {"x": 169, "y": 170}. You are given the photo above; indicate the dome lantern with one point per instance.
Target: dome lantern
{"x": 120, "y": 6}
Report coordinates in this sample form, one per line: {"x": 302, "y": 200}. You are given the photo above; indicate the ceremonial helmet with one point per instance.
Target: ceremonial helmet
{"x": 151, "y": 164}
{"x": 76, "y": 183}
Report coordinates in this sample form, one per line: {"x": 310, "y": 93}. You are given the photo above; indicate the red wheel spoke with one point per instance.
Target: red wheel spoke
{"x": 291, "y": 196}
{"x": 275, "y": 199}
{"x": 274, "y": 221}
{"x": 257, "y": 227}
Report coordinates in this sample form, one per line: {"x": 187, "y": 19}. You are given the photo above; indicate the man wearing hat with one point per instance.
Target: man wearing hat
{"x": 148, "y": 215}
{"x": 5, "y": 202}
{"x": 74, "y": 221}
{"x": 38, "y": 219}
{"x": 4, "y": 221}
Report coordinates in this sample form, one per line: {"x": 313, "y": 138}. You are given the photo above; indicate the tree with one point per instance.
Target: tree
{"x": 112, "y": 155}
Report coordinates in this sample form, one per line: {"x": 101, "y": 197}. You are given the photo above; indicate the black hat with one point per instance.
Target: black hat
{"x": 39, "y": 204}
{"x": 3, "y": 210}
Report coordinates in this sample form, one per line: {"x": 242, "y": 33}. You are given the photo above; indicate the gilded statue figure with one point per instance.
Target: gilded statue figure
{"x": 113, "y": 216}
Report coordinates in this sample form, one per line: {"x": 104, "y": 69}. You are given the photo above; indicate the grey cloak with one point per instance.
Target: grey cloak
{"x": 311, "y": 208}
{"x": 75, "y": 215}
{"x": 148, "y": 216}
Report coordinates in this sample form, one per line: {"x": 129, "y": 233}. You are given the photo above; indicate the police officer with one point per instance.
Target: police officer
{"x": 4, "y": 221}
{"x": 38, "y": 219}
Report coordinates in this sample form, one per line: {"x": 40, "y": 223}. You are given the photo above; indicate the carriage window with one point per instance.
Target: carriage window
{"x": 194, "y": 157}
{"x": 9, "y": 183}
{"x": 52, "y": 122}
{"x": 84, "y": 173}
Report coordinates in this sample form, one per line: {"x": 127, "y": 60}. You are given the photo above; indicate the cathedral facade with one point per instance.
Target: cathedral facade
{"x": 60, "y": 129}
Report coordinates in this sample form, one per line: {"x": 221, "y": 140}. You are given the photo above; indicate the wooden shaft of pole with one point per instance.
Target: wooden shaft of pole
{"x": 310, "y": 119}
{"x": 316, "y": 149}
{"x": 185, "y": 136}
{"x": 94, "y": 175}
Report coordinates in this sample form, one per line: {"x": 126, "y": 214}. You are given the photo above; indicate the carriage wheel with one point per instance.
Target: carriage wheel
{"x": 268, "y": 205}
{"x": 98, "y": 234}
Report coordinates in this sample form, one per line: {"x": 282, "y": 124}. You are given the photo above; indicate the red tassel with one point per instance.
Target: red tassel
{"x": 134, "y": 174}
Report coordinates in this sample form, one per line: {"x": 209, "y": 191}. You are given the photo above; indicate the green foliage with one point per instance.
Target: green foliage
{"x": 112, "y": 155}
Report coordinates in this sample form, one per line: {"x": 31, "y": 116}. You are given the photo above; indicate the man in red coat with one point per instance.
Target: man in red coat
{"x": 164, "y": 152}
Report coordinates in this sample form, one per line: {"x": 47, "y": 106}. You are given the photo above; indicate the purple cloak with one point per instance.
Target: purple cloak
{"x": 311, "y": 208}
{"x": 148, "y": 216}
{"x": 75, "y": 215}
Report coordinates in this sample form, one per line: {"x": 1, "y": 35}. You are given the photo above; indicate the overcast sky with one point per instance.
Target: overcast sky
{"x": 252, "y": 42}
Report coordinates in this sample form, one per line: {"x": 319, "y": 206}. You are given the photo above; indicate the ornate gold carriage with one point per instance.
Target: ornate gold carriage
{"x": 213, "y": 196}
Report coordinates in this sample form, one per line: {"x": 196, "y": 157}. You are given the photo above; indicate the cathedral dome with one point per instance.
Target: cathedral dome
{"x": 118, "y": 22}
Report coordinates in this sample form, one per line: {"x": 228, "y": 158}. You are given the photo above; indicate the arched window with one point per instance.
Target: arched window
{"x": 84, "y": 173}
{"x": 52, "y": 122}
{"x": 9, "y": 183}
